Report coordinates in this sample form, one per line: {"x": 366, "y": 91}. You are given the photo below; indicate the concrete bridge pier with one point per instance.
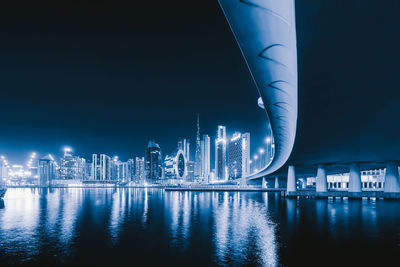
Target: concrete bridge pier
{"x": 291, "y": 179}
{"x": 264, "y": 183}
{"x": 304, "y": 183}
{"x": 392, "y": 182}
{"x": 355, "y": 178}
{"x": 276, "y": 182}
{"x": 321, "y": 180}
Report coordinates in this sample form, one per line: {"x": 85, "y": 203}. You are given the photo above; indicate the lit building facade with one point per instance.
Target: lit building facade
{"x": 120, "y": 172}
{"x": 175, "y": 166}
{"x": 371, "y": 180}
{"x": 184, "y": 145}
{"x": 139, "y": 170}
{"x": 47, "y": 170}
{"x": 131, "y": 170}
{"x": 239, "y": 156}
{"x": 190, "y": 171}
{"x": 153, "y": 162}
{"x": 101, "y": 167}
{"x": 197, "y": 155}
{"x": 205, "y": 157}
{"x": 220, "y": 154}
{"x": 72, "y": 167}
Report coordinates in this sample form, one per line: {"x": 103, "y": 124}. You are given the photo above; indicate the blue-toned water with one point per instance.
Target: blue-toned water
{"x": 138, "y": 227}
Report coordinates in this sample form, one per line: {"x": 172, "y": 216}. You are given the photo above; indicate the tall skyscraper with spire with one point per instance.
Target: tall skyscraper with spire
{"x": 197, "y": 155}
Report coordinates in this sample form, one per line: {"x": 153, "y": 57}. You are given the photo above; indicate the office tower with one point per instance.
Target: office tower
{"x": 139, "y": 170}
{"x": 89, "y": 174}
{"x": 220, "y": 153}
{"x": 205, "y": 157}
{"x": 72, "y": 167}
{"x": 153, "y": 164}
{"x": 239, "y": 155}
{"x": 184, "y": 145}
{"x": 197, "y": 156}
{"x": 169, "y": 169}
{"x": 246, "y": 154}
{"x": 190, "y": 171}
{"x": 101, "y": 166}
{"x": 175, "y": 166}
{"x": 131, "y": 169}
{"x": 121, "y": 168}
{"x": 47, "y": 170}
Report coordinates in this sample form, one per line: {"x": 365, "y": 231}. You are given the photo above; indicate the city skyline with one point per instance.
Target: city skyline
{"x": 19, "y": 157}
{"x": 153, "y": 165}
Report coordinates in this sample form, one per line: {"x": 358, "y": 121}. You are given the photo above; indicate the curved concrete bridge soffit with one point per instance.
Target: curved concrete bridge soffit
{"x": 266, "y": 34}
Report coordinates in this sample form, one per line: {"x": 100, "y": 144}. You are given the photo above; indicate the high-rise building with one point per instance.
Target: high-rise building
{"x": 220, "y": 154}
{"x": 101, "y": 167}
{"x": 184, "y": 145}
{"x": 175, "y": 166}
{"x": 89, "y": 174}
{"x": 197, "y": 156}
{"x": 139, "y": 170}
{"x": 47, "y": 170}
{"x": 239, "y": 155}
{"x": 72, "y": 167}
{"x": 190, "y": 171}
{"x": 153, "y": 162}
{"x": 131, "y": 169}
{"x": 205, "y": 157}
{"x": 121, "y": 171}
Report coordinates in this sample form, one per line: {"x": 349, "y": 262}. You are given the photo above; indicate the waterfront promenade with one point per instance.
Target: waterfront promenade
{"x": 300, "y": 193}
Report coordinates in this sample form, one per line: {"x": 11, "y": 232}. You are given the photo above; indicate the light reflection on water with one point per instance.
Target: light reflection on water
{"x": 113, "y": 226}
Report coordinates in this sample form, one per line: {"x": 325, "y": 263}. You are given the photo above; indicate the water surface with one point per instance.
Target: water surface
{"x": 154, "y": 227}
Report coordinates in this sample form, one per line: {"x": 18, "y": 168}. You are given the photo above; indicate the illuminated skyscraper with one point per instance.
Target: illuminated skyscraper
{"x": 72, "y": 167}
{"x": 184, "y": 145}
{"x": 190, "y": 171}
{"x": 197, "y": 157}
{"x": 121, "y": 171}
{"x": 131, "y": 170}
{"x": 101, "y": 166}
{"x": 205, "y": 157}
{"x": 175, "y": 166}
{"x": 220, "y": 154}
{"x": 47, "y": 170}
{"x": 239, "y": 156}
{"x": 139, "y": 170}
{"x": 153, "y": 164}
{"x": 89, "y": 174}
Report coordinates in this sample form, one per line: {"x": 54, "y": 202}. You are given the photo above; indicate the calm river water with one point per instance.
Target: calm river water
{"x": 151, "y": 227}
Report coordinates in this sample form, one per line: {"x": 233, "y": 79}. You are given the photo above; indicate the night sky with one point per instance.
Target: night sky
{"x": 106, "y": 77}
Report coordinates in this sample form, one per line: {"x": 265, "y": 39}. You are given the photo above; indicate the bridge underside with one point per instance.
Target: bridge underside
{"x": 349, "y": 86}
{"x": 349, "y": 97}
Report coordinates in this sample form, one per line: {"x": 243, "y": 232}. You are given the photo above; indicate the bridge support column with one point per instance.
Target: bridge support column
{"x": 291, "y": 179}
{"x": 276, "y": 182}
{"x": 264, "y": 183}
{"x": 355, "y": 178}
{"x": 321, "y": 181}
{"x": 304, "y": 183}
{"x": 392, "y": 180}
